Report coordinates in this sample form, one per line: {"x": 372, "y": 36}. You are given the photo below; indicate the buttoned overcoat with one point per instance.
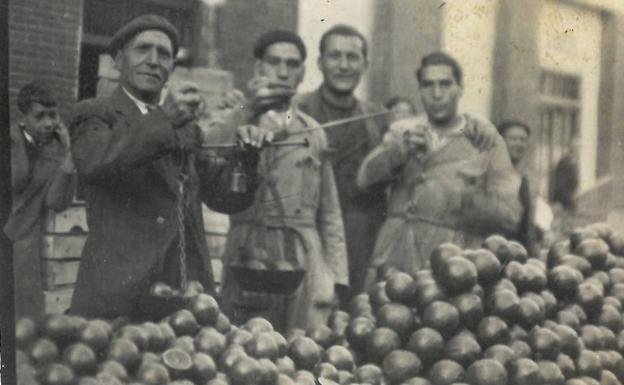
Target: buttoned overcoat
{"x": 125, "y": 161}
{"x": 38, "y": 185}
{"x": 295, "y": 218}
{"x": 455, "y": 193}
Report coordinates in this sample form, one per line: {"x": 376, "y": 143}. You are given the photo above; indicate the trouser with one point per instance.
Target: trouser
{"x": 361, "y": 230}
{"x": 27, "y": 272}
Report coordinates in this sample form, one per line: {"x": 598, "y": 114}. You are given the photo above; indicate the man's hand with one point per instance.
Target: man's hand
{"x": 234, "y": 99}
{"x": 253, "y": 136}
{"x": 183, "y": 103}
{"x": 252, "y": 139}
{"x": 480, "y": 132}
{"x": 411, "y": 136}
{"x": 187, "y": 137}
{"x": 63, "y": 134}
{"x": 266, "y": 94}
{"x": 67, "y": 165}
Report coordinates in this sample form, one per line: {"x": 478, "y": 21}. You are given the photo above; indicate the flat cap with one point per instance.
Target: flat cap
{"x": 140, "y": 24}
{"x": 278, "y": 36}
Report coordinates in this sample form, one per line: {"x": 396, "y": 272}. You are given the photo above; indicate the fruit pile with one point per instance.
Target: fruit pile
{"x": 490, "y": 316}
{"x": 495, "y": 316}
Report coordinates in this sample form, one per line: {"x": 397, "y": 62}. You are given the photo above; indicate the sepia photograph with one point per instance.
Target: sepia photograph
{"x": 312, "y": 192}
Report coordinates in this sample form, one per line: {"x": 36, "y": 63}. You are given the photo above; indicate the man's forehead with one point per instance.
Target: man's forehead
{"x": 344, "y": 42}
{"x": 152, "y": 36}
{"x": 516, "y": 131}
{"x": 36, "y": 107}
{"x": 437, "y": 71}
{"x": 284, "y": 50}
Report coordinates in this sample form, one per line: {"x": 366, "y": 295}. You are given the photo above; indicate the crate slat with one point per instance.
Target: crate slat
{"x": 58, "y": 301}
{"x": 216, "y": 245}
{"x": 73, "y": 219}
{"x": 215, "y": 223}
{"x": 63, "y": 246}
{"x": 217, "y": 270}
{"x": 59, "y": 273}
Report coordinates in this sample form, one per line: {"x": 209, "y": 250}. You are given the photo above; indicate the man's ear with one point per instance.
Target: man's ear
{"x": 118, "y": 59}
{"x": 319, "y": 63}
{"x": 20, "y": 119}
{"x": 301, "y": 75}
{"x": 257, "y": 70}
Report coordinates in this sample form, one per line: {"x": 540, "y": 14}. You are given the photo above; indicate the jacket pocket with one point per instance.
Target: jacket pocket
{"x": 310, "y": 181}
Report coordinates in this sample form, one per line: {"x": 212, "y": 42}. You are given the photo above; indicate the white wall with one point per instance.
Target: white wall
{"x": 570, "y": 39}
{"x": 608, "y": 5}
{"x": 469, "y": 34}
{"x": 317, "y": 16}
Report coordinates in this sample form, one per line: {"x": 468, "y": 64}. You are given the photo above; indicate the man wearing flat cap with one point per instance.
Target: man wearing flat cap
{"x": 138, "y": 155}
{"x": 295, "y": 221}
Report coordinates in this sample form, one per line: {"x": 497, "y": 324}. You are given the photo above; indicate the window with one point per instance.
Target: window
{"x": 559, "y": 118}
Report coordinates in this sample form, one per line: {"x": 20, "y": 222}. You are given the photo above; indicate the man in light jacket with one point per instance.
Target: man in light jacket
{"x": 295, "y": 220}
{"x": 447, "y": 185}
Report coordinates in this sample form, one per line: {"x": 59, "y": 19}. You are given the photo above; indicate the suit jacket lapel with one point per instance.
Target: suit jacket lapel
{"x": 20, "y": 164}
{"x": 164, "y": 166}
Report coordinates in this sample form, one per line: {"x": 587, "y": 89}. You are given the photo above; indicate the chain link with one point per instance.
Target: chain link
{"x": 181, "y": 201}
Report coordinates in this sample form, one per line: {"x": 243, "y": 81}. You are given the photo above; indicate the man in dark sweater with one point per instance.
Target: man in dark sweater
{"x": 343, "y": 61}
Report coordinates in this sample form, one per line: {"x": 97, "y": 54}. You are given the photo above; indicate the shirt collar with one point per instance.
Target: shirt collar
{"x": 143, "y": 107}
{"x": 454, "y": 130}
{"x": 29, "y": 138}
{"x": 347, "y": 105}
{"x": 282, "y": 118}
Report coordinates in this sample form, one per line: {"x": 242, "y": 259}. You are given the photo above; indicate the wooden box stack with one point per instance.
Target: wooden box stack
{"x": 66, "y": 233}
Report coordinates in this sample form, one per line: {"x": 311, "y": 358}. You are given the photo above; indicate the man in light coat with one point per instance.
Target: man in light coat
{"x": 446, "y": 187}
{"x": 295, "y": 220}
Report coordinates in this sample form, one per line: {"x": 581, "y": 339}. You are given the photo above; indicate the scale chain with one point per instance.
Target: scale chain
{"x": 180, "y": 208}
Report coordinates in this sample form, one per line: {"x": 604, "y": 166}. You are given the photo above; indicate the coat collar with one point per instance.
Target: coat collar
{"x": 122, "y": 103}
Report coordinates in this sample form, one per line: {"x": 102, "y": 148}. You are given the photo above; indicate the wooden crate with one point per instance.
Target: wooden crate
{"x": 58, "y": 273}
{"x": 58, "y": 301}
{"x": 217, "y": 270}
{"x": 61, "y": 246}
{"x": 71, "y": 220}
{"x": 216, "y": 245}
{"x": 215, "y": 223}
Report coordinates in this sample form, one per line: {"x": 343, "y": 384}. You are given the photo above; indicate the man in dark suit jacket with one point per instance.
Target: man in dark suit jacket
{"x": 42, "y": 179}
{"x": 516, "y": 135}
{"x": 145, "y": 177}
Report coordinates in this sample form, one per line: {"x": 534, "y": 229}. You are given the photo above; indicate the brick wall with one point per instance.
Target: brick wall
{"x": 44, "y": 43}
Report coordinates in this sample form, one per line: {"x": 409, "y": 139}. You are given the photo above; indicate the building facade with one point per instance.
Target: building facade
{"x": 554, "y": 64}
